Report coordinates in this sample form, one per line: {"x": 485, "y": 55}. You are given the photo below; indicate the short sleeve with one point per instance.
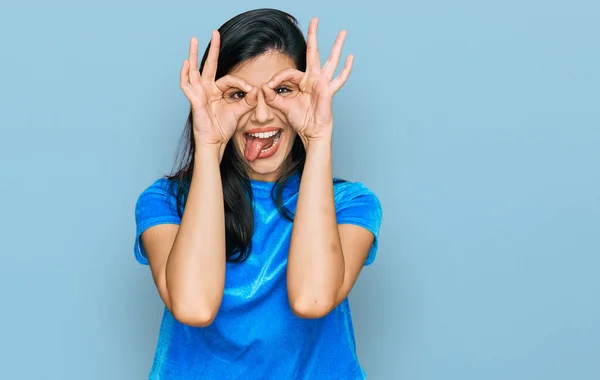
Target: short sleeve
{"x": 155, "y": 205}
{"x": 356, "y": 204}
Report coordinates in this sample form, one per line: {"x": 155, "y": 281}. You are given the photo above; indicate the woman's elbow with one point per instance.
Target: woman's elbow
{"x": 311, "y": 308}
{"x": 193, "y": 316}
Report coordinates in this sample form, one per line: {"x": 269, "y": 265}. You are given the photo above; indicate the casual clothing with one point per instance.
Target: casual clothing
{"x": 255, "y": 334}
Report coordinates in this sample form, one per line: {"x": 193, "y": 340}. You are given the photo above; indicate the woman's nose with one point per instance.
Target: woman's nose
{"x": 262, "y": 112}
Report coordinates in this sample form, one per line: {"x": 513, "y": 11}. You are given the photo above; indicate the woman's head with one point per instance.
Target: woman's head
{"x": 254, "y": 46}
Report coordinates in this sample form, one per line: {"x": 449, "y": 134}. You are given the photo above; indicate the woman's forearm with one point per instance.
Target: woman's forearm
{"x": 195, "y": 271}
{"x": 316, "y": 263}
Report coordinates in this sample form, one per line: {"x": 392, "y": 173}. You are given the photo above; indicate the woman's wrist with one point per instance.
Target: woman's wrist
{"x": 320, "y": 144}
{"x": 208, "y": 151}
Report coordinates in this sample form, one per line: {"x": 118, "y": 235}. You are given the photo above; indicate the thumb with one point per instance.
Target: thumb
{"x": 247, "y": 104}
{"x": 274, "y": 100}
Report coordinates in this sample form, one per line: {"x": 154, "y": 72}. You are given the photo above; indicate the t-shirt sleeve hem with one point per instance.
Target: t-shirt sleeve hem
{"x": 361, "y": 223}
{"x": 140, "y": 252}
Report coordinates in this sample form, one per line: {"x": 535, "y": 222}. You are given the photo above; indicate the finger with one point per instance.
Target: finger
{"x": 251, "y": 98}
{"x": 240, "y": 108}
{"x": 292, "y": 75}
{"x": 312, "y": 50}
{"x": 193, "y": 71}
{"x": 334, "y": 57}
{"x": 231, "y": 81}
{"x": 210, "y": 66}
{"x": 338, "y": 82}
{"x": 274, "y": 100}
{"x": 248, "y": 103}
{"x": 184, "y": 78}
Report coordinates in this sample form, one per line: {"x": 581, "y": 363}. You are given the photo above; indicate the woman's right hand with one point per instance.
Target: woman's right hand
{"x": 217, "y": 106}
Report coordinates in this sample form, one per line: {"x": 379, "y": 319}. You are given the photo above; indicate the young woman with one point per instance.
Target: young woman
{"x": 253, "y": 246}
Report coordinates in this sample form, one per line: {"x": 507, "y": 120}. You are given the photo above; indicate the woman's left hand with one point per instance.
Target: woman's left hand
{"x": 306, "y": 97}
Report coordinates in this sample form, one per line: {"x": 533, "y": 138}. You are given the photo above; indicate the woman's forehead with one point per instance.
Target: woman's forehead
{"x": 259, "y": 70}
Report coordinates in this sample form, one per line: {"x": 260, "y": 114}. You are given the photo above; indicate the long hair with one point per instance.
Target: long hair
{"x": 246, "y": 36}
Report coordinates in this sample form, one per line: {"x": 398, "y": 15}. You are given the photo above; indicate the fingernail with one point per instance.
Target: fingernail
{"x": 270, "y": 84}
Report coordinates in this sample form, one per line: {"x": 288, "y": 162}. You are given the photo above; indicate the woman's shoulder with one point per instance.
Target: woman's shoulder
{"x": 357, "y": 204}
{"x": 165, "y": 185}
{"x": 157, "y": 187}
{"x": 162, "y": 190}
{"x": 346, "y": 188}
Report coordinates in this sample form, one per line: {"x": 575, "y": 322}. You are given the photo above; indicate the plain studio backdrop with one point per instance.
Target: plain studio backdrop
{"x": 476, "y": 123}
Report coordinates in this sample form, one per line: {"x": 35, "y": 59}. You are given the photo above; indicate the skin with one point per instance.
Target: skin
{"x": 188, "y": 260}
{"x": 257, "y": 73}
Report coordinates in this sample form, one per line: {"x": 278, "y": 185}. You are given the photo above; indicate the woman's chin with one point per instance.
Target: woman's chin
{"x": 265, "y": 169}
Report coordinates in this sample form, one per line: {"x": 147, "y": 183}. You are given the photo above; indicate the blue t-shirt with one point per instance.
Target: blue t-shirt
{"x": 255, "y": 334}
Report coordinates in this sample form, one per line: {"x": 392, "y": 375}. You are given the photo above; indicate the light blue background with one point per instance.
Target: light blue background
{"x": 477, "y": 123}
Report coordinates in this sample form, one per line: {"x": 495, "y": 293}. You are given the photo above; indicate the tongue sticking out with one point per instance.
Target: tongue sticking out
{"x": 254, "y": 145}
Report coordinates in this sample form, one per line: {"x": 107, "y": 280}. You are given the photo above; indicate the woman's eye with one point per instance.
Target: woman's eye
{"x": 282, "y": 90}
{"x": 238, "y": 95}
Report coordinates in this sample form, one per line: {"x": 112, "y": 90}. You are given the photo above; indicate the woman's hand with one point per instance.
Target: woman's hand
{"x": 306, "y": 98}
{"x": 216, "y": 108}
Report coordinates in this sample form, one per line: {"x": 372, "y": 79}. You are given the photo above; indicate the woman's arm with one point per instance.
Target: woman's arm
{"x": 188, "y": 261}
{"x": 324, "y": 259}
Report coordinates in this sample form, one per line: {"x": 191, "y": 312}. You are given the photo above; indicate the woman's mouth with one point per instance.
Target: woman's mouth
{"x": 262, "y": 143}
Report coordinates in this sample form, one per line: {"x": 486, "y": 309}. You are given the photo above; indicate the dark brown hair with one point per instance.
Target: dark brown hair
{"x": 244, "y": 37}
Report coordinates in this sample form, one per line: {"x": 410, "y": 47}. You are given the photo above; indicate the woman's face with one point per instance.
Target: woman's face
{"x": 264, "y": 138}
